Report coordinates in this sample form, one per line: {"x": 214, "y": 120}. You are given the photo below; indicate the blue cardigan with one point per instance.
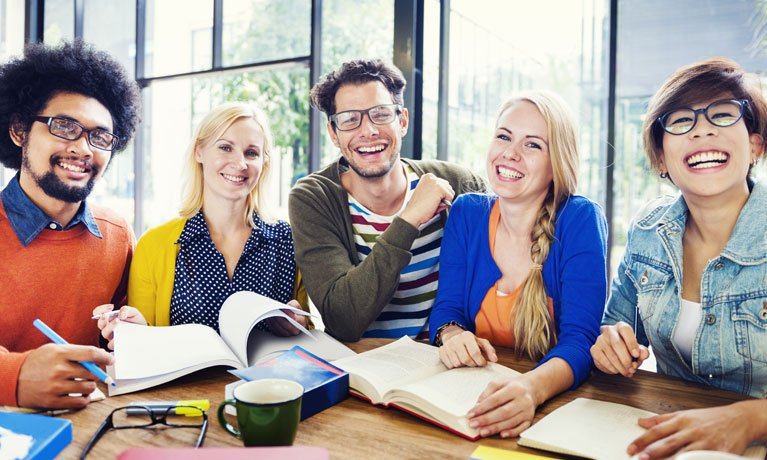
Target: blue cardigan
{"x": 574, "y": 274}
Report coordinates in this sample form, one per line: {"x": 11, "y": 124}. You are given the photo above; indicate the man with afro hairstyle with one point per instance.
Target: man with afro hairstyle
{"x": 67, "y": 110}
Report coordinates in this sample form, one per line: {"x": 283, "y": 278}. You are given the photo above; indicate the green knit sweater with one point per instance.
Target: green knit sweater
{"x": 349, "y": 294}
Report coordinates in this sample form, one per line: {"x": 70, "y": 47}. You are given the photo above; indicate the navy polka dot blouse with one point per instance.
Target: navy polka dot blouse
{"x": 267, "y": 266}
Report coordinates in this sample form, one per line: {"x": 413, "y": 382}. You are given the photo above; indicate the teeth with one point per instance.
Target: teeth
{"x": 373, "y": 149}
{"x": 707, "y": 159}
{"x": 71, "y": 167}
{"x": 233, "y": 178}
{"x": 708, "y": 164}
{"x": 509, "y": 173}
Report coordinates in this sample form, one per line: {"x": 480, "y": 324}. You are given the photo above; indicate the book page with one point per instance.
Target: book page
{"x": 394, "y": 364}
{"x": 588, "y": 428}
{"x": 263, "y": 346}
{"x": 454, "y": 391}
{"x": 147, "y": 351}
{"x": 242, "y": 310}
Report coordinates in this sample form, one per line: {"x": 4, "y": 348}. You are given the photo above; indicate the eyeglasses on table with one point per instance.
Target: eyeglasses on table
{"x": 128, "y": 417}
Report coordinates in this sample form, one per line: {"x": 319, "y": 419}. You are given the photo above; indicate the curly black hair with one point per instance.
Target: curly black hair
{"x": 357, "y": 72}
{"x": 27, "y": 84}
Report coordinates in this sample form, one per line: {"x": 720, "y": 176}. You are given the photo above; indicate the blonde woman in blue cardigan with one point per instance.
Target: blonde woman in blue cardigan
{"x": 183, "y": 270}
{"x": 523, "y": 268}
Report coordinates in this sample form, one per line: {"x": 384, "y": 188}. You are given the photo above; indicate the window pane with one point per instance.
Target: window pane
{"x": 735, "y": 29}
{"x": 174, "y": 107}
{"x": 265, "y": 30}
{"x": 118, "y": 38}
{"x": 354, "y": 29}
{"x": 431, "y": 72}
{"x": 178, "y": 43}
{"x": 115, "y": 189}
{"x": 11, "y": 44}
{"x": 497, "y": 50}
{"x": 59, "y": 21}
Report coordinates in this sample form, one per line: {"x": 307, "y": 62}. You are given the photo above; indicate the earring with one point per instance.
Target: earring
{"x": 663, "y": 174}
{"x": 755, "y": 162}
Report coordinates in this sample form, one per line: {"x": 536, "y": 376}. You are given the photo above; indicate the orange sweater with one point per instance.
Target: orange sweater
{"x": 59, "y": 277}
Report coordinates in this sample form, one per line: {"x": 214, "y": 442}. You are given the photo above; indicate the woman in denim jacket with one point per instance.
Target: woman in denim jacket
{"x": 693, "y": 280}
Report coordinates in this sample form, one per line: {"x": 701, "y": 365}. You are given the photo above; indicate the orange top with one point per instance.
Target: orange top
{"x": 59, "y": 277}
{"x": 493, "y": 321}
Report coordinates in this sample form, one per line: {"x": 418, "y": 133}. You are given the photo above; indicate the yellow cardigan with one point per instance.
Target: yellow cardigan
{"x": 153, "y": 271}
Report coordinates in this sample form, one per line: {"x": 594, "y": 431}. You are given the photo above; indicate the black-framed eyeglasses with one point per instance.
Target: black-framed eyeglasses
{"x": 72, "y": 130}
{"x": 378, "y": 115}
{"x": 722, "y": 113}
{"x": 144, "y": 417}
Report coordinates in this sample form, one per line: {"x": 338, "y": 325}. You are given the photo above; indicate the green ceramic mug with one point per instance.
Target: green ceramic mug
{"x": 268, "y": 412}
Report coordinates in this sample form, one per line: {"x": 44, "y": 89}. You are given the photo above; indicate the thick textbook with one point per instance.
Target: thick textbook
{"x": 147, "y": 356}
{"x": 409, "y": 375}
{"x": 32, "y": 436}
{"x": 592, "y": 429}
{"x": 324, "y": 384}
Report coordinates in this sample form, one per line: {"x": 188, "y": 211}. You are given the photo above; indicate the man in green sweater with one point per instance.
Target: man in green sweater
{"x": 368, "y": 228}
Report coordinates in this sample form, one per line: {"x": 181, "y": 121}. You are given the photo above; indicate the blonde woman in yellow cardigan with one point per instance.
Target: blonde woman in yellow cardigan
{"x": 183, "y": 270}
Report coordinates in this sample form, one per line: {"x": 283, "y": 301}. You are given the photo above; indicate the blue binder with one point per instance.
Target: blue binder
{"x": 49, "y": 435}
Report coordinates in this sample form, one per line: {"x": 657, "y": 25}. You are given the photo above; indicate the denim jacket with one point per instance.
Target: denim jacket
{"x": 730, "y": 346}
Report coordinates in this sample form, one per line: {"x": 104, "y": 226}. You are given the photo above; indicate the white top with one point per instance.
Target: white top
{"x": 686, "y": 328}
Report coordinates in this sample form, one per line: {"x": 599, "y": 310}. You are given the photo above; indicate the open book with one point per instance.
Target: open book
{"x": 594, "y": 429}
{"x": 147, "y": 356}
{"x": 408, "y": 375}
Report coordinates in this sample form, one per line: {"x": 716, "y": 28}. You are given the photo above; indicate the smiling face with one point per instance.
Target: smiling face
{"x": 371, "y": 150}
{"x": 232, "y": 163}
{"x": 58, "y": 168}
{"x": 710, "y": 160}
{"x": 518, "y": 163}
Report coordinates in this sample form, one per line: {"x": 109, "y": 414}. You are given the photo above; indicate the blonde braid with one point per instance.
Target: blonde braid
{"x": 533, "y": 326}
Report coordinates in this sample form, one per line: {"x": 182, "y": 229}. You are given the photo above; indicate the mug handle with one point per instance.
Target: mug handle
{"x": 222, "y": 420}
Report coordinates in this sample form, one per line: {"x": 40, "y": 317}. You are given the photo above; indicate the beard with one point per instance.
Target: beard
{"x": 55, "y": 187}
{"x": 371, "y": 173}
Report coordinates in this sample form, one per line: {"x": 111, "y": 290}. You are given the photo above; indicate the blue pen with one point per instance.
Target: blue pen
{"x": 55, "y": 338}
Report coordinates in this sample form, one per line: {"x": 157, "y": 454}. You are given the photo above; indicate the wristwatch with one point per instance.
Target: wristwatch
{"x": 438, "y": 336}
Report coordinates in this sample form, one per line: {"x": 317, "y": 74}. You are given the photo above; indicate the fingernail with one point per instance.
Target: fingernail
{"x": 504, "y": 435}
{"x": 473, "y": 424}
{"x": 471, "y": 414}
{"x": 644, "y": 456}
{"x": 484, "y": 433}
{"x": 632, "y": 448}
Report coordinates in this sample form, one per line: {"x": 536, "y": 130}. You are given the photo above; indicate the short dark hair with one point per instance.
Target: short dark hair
{"x": 698, "y": 82}
{"x": 28, "y": 82}
{"x": 357, "y": 72}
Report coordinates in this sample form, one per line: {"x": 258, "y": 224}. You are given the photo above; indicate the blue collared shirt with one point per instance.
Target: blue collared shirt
{"x": 27, "y": 220}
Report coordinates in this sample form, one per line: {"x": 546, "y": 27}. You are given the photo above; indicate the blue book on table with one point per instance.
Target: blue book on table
{"x": 33, "y": 436}
{"x": 324, "y": 384}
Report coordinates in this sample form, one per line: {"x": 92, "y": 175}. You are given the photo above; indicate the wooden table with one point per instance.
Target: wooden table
{"x": 355, "y": 429}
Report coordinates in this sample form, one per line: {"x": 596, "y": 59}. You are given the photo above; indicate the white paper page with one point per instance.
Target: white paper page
{"x": 242, "y": 310}
{"x": 457, "y": 390}
{"x": 14, "y": 445}
{"x": 263, "y": 346}
{"x": 402, "y": 360}
{"x": 146, "y": 351}
{"x": 589, "y": 428}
